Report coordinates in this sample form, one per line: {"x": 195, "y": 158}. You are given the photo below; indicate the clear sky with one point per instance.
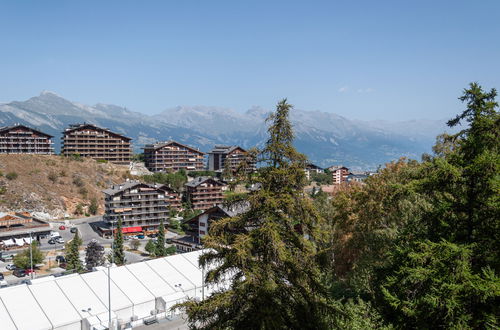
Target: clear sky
{"x": 360, "y": 59}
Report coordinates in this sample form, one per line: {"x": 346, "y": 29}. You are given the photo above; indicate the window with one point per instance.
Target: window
{"x": 202, "y": 232}
{"x": 202, "y": 224}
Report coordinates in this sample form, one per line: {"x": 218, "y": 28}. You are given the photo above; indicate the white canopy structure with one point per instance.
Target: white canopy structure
{"x": 138, "y": 292}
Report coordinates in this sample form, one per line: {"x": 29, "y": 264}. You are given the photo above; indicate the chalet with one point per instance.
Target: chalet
{"x": 200, "y": 224}
{"x": 88, "y": 140}
{"x": 140, "y": 206}
{"x": 205, "y": 192}
{"x": 172, "y": 156}
{"x": 339, "y": 174}
{"x": 20, "y": 139}
{"x": 310, "y": 169}
{"x": 234, "y": 155}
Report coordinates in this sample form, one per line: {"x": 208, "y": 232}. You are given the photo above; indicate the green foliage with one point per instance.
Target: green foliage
{"x": 273, "y": 266}
{"x": 151, "y": 248}
{"x": 138, "y": 158}
{"x": 79, "y": 209}
{"x": 174, "y": 180}
{"x": 195, "y": 174}
{"x": 322, "y": 178}
{"x": 160, "y": 241}
{"x": 83, "y": 191}
{"x": 11, "y": 176}
{"x": 93, "y": 207}
{"x": 102, "y": 161}
{"x": 3, "y": 190}
{"x": 76, "y": 157}
{"x": 432, "y": 285}
{"x": 77, "y": 181}
{"x": 22, "y": 259}
{"x": 134, "y": 245}
{"x": 94, "y": 255}
{"x": 170, "y": 250}
{"x": 175, "y": 224}
{"x": 73, "y": 261}
{"x": 118, "y": 254}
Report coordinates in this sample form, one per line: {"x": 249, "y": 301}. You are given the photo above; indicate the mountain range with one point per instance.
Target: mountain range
{"x": 326, "y": 138}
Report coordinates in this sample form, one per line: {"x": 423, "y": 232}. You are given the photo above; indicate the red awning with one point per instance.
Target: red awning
{"x": 131, "y": 229}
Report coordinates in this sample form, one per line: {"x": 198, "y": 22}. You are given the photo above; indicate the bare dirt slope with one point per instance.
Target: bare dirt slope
{"x": 55, "y": 185}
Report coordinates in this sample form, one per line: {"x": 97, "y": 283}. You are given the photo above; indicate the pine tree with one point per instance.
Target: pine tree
{"x": 151, "y": 248}
{"x": 94, "y": 255}
{"x": 160, "y": 241}
{"x": 73, "y": 261}
{"x": 118, "y": 253}
{"x": 269, "y": 252}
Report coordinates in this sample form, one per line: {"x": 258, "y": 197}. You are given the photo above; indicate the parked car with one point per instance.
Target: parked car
{"x": 73, "y": 230}
{"x": 62, "y": 265}
{"x": 1, "y": 277}
{"x": 3, "y": 284}
{"x": 28, "y": 271}
{"x": 11, "y": 267}
{"x": 62, "y": 227}
{"x": 59, "y": 240}
{"x": 60, "y": 259}
{"x": 140, "y": 236}
{"x": 19, "y": 272}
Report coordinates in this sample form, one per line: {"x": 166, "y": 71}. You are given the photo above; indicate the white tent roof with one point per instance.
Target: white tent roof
{"x": 23, "y": 309}
{"x": 183, "y": 266}
{"x": 170, "y": 274}
{"x": 98, "y": 282}
{"x": 150, "y": 279}
{"x": 130, "y": 285}
{"x": 54, "y": 303}
{"x": 6, "y": 321}
{"x": 80, "y": 295}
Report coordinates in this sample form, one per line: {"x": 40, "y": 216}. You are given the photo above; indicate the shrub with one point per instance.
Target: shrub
{"x": 62, "y": 173}
{"x": 83, "y": 191}
{"x": 93, "y": 207}
{"x": 134, "y": 245}
{"x": 77, "y": 181}
{"x": 53, "y": 177}
{"x": 102, "y": 161}
{"x": 11, "y": 176}
{"x": 79, "y": 209}
{"x": 3, "y": 190}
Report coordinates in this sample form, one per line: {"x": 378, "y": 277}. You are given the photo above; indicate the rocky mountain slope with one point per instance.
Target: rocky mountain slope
{"x": 54, "y": 186}
{"x": 325, "y": 138}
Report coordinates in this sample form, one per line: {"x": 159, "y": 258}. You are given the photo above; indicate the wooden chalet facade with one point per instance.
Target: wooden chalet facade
{"x": 205, "y": 192}
{"x": 172, "y": 156}
{"x": 220, "y": 155}
{"x": 20, "y": 139}
{"x": 140, "y": 206}
{"x": 88, "y": 140}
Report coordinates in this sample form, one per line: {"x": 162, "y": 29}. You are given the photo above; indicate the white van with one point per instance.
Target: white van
{"x": 54, "y": 234}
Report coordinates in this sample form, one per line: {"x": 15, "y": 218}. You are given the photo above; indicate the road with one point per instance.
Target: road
{"x": 87, "y": 234}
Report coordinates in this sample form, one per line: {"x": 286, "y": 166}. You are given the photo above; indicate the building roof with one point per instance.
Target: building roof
{"x": 8, "y": 128}
{"x": 75, "y": 127}
{"x": 117, "y": 188}
{"x": 160, "y": 145}
{"x": 337, "y": 167}
{"x": 230, "y": 211}
{"x": 221, "y": 149}
{"x": 313, "y": 167}
{"x": 201, "y": 179}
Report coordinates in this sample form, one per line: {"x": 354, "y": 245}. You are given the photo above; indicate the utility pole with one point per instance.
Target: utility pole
{"x": 31, "y": 256}
{"x": 203, "y": 283}
{"x": 109, "y": 274}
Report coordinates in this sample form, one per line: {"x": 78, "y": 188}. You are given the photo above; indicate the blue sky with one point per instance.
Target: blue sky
{"x": 360, "y": 59}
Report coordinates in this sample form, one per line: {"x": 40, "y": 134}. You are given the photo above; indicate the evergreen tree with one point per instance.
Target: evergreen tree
{"x": 160, "y": 241}
{"x": 73, "y": 261}
{"x": 269, "y": 252}
{"x": 151, "y": 248}
{"x": 118, "y": 255}
{"x": 94, "y": 255}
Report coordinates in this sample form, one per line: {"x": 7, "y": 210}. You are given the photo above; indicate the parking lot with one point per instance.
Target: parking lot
{"x": 87, "y": 234}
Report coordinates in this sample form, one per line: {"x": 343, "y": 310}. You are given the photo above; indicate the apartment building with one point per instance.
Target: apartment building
{"x": 172, "y": 156}
{"x": 205, "y": 192}
{"x": 339, "y": 174}
{"x": 234, "y": 155}
{"x": 88, "y": 140}
{"x": 139, "y": 205}
{"x": 20, "y": 139}
{"x": 311, "y": 169}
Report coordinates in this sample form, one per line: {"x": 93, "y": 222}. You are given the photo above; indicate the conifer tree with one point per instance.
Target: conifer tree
{"x": 160, "y": 241}
{"x": 118, "y": 253}
{"x": 269, "y": 252}
{"x": 73, "y": 261}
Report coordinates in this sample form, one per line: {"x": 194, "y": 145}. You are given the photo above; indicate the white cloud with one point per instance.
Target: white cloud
{"x": 343, "y": 89}
{"x": 365, "y": 90}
